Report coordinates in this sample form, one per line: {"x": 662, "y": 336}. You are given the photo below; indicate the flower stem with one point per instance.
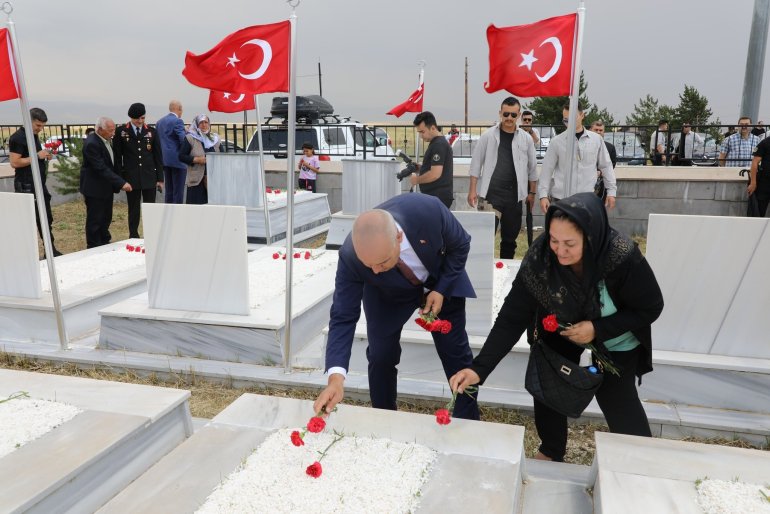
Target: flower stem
{"x": 337, "y": 438}
{"x": 16, "y": 396}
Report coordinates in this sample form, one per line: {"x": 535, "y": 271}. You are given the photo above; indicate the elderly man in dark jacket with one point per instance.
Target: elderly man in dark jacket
{"x": 98, "y": 182}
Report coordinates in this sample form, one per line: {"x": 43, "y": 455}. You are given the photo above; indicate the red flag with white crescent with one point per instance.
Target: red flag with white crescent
{"x": 9, "y": 89}
{"x": 251, "y": 61}
{"x": 221, "y": 101}
{"x": 532, "y": 60}
{"x": 412, "y": 104}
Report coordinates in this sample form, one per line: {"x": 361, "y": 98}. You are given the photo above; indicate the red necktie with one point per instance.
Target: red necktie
{"x": 408, "y": 273}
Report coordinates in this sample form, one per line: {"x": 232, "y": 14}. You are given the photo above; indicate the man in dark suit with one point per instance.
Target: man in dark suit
{"x": 98, "y": 182}
{"x": 171, "y": 133}
{"x": 139, "y": 161}
{"x": 408, "y": 246}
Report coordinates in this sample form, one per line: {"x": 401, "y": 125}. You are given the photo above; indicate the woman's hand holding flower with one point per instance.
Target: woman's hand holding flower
{"x": 580, "y": 333}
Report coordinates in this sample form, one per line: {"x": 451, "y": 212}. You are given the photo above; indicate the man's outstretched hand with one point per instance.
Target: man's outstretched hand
{"x": 331, "y": 395}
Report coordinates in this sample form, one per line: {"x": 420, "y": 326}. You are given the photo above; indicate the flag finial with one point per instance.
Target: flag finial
{"x": 7, "y": 8}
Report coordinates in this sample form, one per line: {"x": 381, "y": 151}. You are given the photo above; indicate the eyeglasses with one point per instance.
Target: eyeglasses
{"x": 526, "y": 119}
{"x": 510, "y": 114}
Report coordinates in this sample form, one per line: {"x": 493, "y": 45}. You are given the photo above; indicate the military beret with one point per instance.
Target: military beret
{"x": 136, "y": 111}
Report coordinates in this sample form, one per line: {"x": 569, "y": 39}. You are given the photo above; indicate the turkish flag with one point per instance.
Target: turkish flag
{"x": 532, "y": 60}
{"x": 221, "y": 101}
{"x": 8, "y": 87}
{"x": 412, "y": 104}
{"x": 251, "y": 61}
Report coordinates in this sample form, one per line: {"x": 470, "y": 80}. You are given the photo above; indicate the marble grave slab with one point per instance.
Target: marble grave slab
{"x": 82, "y": 291}
{"x": 491, "y": 453}
{"x": 133, "y": 325}
{"x": 78, "y": 466}
{"x": 639, "y": 475}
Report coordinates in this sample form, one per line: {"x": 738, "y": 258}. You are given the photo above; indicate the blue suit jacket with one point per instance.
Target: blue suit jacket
{"x": 170, "y": 128}
{"x": 438, "y": 239}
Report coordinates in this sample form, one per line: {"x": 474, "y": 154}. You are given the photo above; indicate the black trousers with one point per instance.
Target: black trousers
{"x": 308, "y": 184}
{"x": 763, "y": 192}
{"x": 134, "y": 199}
{"x": 617, "y": 398}
{"x": 22, "y": 187}
{"x": 98, "y": 220}
{"x": 504, "y": 200}
{"x": 385, "y": 318}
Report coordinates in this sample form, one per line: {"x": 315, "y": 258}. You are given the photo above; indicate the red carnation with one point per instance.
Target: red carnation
{"x": 130, "y": 248}
{"x": 296, "y": 255}
{"x": 307, "y": 255}
{"x": 550, "y": 324}
{"x": 499, "y": 264}
{"x": 446, "y": 326}
{"x": 276, "y": 255}
{"x": 422, "y": 323}
{"x": 143, "y": 250}
{"x": 138, "y": 249}
{"x": 316, "y": 424}
{"x": 268, "y": 190}
{"x": 283, "y": 257}
{"x": 277, "y": 191}
{"x": 443, "y": 417}
{"x": 314, "y": 470}
{"x": 296, "y": 439}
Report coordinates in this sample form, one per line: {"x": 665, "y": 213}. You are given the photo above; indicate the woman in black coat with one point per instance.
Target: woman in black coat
{"x": 598, "y": 285}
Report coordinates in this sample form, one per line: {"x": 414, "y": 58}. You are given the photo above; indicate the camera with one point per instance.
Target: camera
{"x": 411, "y": 166}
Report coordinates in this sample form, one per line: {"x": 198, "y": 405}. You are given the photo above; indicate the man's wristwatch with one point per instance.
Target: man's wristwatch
{"x": 532, "y": 192}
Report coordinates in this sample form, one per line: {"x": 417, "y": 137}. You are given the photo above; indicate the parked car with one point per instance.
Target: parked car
{"x": 628, "y": 146}
{"x": 546, "y": 132}
{"x": 331, "y": 141}
{"x": 229, "y": 147}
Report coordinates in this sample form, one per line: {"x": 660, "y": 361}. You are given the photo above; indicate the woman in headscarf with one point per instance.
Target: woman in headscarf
{"x": 199, "y": 141}
{"x": 598, "y": 285}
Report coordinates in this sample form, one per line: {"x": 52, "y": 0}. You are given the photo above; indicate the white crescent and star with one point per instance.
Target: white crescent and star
{"x": 237, "y": 100}
{"x": 529, "y": 59}
{"x": 267, "y": 50}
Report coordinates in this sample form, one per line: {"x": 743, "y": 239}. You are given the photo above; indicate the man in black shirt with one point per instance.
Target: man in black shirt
{"x": 503, "y": 172}
{"x": 760, "y": 176}
{"x": 435, "y": 177}
{"x": 22, "y": 164}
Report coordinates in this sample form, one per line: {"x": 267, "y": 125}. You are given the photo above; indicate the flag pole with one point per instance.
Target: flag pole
{"x": 290, "y": 183}
{"x": 268, "y": 231}
{"x": 420, "y": 81}
{"x": 571, "y": 181}
{"x": 7, "y": 8}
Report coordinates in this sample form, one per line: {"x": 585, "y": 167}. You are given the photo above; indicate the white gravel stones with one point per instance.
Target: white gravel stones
{"x": 359, "y": 475}
{"x": 267, "y": 276}
{"x": 25, "y": 419}
{"x": 499, "y": 291}
{"x": 72, "y": 273}
{"x": 722, "y": 497}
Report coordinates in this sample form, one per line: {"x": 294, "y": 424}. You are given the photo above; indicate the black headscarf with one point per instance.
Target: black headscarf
{"x": 557, "y": 288}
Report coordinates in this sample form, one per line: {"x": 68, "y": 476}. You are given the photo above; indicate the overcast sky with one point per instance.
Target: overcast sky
{"x": 87, "y": 58}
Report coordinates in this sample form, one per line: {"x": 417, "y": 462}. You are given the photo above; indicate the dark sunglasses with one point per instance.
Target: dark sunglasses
{"x": 526, "y": 119}
{"x": 510, "y": 114}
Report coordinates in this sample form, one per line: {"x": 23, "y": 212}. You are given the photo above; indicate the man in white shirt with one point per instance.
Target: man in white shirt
{"x": 590, "y": 155}
{"x": 688, "y": 141}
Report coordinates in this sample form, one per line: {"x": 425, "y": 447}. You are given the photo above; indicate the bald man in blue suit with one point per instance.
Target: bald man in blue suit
{"x": 408, "y": 252}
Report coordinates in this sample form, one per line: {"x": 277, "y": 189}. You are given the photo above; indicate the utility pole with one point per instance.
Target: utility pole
{"x": 466, "y": 94}
{"x": 755, "y": 60}
{"x": 320, "y": 86}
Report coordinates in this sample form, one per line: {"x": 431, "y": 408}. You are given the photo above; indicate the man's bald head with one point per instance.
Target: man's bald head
{"x": 175, "y": 106}
{"x": 376, "y": 240}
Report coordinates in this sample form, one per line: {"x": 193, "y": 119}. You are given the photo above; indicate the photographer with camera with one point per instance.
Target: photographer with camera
{"x": 435, "y": 175}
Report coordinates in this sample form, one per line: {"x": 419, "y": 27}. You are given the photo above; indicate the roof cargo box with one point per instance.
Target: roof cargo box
{"x": 311, "y": 107}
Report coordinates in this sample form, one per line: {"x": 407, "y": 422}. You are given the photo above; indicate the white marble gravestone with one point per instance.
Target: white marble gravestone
{"x": 19, "y": 266}
{"x": 713, "y": 274}
{"x": 368, "y": 183}
{"x": 481, "y": 227}
{"x": 234, "y": 179}
{"x": 197, "y": 258}
{"x": 365, "y": 185}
